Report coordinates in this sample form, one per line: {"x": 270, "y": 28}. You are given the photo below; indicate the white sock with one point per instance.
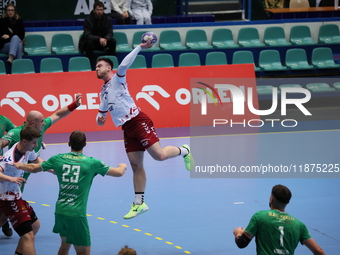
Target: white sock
{"x": 139, "y": 199}
{"x": 183, "y": 151}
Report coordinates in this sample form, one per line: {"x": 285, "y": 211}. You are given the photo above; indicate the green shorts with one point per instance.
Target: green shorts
{"x": 75, "y": 229}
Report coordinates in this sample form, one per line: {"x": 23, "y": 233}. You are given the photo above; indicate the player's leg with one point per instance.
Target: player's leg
{"x": 64, "y": 247}
{"x": 4, "y": 225}
{"x": 22, "y": 217}
{"x": 26, "y": 241}
{"x": 72, "y": 231}
{"x": 36, "y": 226}
{"x": 138, "y": 207}
{"x": 160, "y": 154}
{"x": 82, "y": 250}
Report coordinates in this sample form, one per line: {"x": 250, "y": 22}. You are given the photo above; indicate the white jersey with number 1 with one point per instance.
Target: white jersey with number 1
{"x": 11, "y": 191}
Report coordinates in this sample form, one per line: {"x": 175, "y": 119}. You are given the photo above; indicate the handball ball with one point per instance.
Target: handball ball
{"x": 147, "y": 36}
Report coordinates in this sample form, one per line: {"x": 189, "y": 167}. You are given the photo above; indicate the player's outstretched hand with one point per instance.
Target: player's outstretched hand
{"x": 17, "y": 180}
{"x": 146, "y": 45}
{"x": 122, "y": 165}
{"x": 18, "y": 165}
{"x": 101, "y": 120}
{"x": 78, "y": 99}
{"x": 238, "y": 231}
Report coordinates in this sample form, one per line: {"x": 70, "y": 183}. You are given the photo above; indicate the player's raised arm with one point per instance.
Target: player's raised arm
{"x": 128, "y": 60}
{"x": 31, "y": 168}
{"x": 63, "y": 112}
{"x": 117, "y": 171}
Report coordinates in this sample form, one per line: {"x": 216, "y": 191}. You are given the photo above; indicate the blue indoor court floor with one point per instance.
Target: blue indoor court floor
{"x": 189, "y": 214}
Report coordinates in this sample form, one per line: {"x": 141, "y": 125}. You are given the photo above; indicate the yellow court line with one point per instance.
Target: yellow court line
{"x": 138, "y": 230}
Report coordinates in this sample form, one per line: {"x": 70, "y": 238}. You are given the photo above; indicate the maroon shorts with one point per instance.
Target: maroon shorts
{"x": 139, "y": 133}
{"x": 18, "y": 211}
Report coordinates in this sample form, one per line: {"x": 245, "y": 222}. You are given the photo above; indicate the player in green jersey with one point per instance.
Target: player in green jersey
{"x": 37, "y": 120}
{"x": 5, "y": 125}
{"x": 75, "y": 173}
{"x": 276, "y": 231}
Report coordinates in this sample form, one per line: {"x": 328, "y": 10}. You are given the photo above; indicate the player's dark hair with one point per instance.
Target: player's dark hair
{"x": 281, "y": 194}
{"x": 77, "y": 140}
{"x": 127, "y": 251}
{"x": 107, "y": 60}
{"x": 99, "y": 4}
{"x": 29, "y": 133}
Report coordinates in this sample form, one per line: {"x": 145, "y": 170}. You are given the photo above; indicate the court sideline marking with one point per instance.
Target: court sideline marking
{"x": 127, "y": 226}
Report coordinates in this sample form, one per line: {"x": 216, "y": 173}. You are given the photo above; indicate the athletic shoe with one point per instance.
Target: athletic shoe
{"x": 188, "y": 159}
{"x": 136, "y": 210}
{"x": 7, "y": 230}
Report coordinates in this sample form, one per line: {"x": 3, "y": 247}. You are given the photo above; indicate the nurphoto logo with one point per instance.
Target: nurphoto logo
{"x": 238, "y": 97}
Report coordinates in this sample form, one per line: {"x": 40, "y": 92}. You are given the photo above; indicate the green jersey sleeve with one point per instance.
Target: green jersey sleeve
{"x": 13, "y": 136}
{"x": 48, "y": 164}
{"x": 100, "y": 167}
{"x": 48, "y": 123}
{"x": 252, "y": 227}
{"x": 305, "y": 235}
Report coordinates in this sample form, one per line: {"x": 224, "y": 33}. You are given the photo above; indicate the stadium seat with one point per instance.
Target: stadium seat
{"x": 51, "y": 65}
{"x": 319, "y": 87}
{"x": 36, "y": 45}
{"x": 122, "y": 42}
{"x": 162, "y": 60}
{"x": 296, "y": 59}
{"x": 244, "y": 57}
{"x": 2, "y": 67}
{"x": 337, "y": 85}
{"x": 170, "y": 40}
{"x": 322, "y": 58}
{"x": 275, "y": 36}
{"x": 136, "y": 40}
{"x": 62, "y": 44}
{"x": 2, "y": 55}
{"x": 264, "y": 89}
{"x": 299, "y": 4}
{"x": 328, "y": 34}
{"x": 114, "y": 60}
{"x": 189, "y": 59}
{"x": 216, "y": 58}
{"x": 23, "y": 65}
{"x": 269, "y": 60}
{"x": 249, "y": 37}
{"x": 79, "y": 64}
{"x": 196, "y": 39}
{"x": 301, "y": 35}
{"x": 139, "y": 62}
{"x": 290, "y": 86}
{"x": 222, "y": 38}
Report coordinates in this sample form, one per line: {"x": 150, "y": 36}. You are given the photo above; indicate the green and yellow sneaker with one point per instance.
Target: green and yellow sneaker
{"x": 136, "y": 210}
{"x": 188, "y": 159}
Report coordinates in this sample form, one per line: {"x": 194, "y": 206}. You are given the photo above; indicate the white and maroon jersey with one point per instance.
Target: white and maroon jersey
{"x": 115, "y": 96}
{"x": 8, "y": 190}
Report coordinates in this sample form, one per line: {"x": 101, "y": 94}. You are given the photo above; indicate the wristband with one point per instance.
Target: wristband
{"x": 71, "y": 107}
